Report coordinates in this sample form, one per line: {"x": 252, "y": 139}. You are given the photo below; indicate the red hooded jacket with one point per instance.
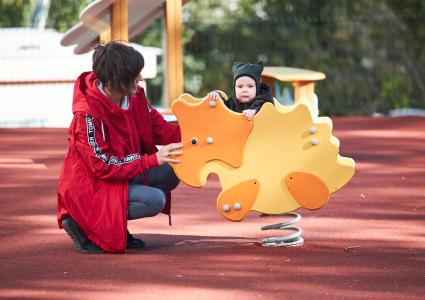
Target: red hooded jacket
{"x": 107, "y": 146}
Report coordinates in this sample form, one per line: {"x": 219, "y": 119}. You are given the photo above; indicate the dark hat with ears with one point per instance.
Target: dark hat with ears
{"x": 251, "y": 70}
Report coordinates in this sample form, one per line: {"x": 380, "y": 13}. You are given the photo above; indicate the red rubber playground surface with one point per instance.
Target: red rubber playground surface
{"x": 368, "y": 242}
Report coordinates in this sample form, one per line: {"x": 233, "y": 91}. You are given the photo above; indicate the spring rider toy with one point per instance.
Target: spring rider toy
{"x": 284, "y": 159}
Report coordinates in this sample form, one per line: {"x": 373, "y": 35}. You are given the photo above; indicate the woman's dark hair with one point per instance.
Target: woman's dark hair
{"x": 117, "y": 66}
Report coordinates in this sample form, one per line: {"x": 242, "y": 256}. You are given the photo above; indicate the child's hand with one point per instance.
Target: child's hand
{"x": 213, "y": 95}
{"x": 249, "y": 113}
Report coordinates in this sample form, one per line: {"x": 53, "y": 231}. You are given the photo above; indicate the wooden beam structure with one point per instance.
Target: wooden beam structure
{"x": 105, "y": 36}
{"x": 117, "y": 29}
{"x": 174, "y": 50}
{"x": 119, "y": 21}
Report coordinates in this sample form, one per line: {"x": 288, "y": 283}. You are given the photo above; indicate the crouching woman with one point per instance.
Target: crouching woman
{"x": 113, "y": 171}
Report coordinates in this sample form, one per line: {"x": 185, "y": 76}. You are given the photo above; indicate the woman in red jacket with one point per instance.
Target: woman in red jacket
{"x": 113, "y": 171}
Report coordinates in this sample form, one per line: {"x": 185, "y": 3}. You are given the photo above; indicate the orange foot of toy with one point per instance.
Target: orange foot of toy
{"x": 235, "y": 202}
{"x": 307, "y": 189}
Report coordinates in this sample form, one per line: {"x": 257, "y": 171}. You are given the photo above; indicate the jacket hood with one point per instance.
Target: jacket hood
{"x": 88, "y": 98}
{"x": 79, "y": 102}
{"x": 264, "y": 93}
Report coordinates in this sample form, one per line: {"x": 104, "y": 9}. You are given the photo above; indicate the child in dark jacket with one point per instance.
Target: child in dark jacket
{"x": 250, "y": 92}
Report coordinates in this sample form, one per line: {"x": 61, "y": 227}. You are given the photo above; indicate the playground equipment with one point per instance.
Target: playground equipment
{"x": 302, "y": 81}
{"x": 286, "y": 158}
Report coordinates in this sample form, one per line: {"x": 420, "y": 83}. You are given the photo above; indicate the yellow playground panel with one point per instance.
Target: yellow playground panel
{"x": 284, "y": 159}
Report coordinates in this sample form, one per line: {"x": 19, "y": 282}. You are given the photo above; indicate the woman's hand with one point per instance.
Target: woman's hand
{"x": 164, "y": 154}
{"x": 249, "y": 113}
{"x": 213, "y": 95}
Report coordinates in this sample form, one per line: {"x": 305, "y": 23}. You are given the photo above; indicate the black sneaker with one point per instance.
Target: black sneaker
{"x": 81, "y": 242}
{"x": 134, "y": 243}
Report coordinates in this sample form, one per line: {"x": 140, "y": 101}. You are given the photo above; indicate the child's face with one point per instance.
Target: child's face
{"x": 245, "y": 89}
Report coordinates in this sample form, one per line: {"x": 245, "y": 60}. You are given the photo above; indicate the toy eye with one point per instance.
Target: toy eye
{"x": 194, "y": 141}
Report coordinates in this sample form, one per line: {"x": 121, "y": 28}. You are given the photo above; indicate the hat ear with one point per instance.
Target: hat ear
{"x": 236, "y": 65}
{"x": 260, "y": 62}
{"x": 260, "y": 67}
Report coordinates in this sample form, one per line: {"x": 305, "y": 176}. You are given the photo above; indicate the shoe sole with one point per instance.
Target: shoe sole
{"x": 135, "y": 248}
{"x": 84, "y": 251}
{"x": 77, "y": 245}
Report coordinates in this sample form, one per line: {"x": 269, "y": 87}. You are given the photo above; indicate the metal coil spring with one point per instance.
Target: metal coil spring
{"x": 290, "y": 240}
